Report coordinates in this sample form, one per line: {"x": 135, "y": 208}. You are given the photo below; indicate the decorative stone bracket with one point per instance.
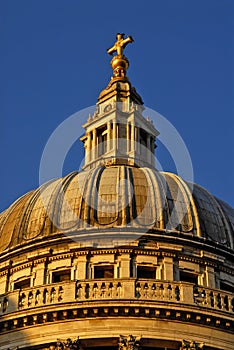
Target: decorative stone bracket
{"x": 68, "y": 344}
{"x": 129, "y": 343}
{"x": 191, "y": 345}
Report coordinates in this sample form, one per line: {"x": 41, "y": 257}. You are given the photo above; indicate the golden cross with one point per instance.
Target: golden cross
{"x": 120, "y": 44}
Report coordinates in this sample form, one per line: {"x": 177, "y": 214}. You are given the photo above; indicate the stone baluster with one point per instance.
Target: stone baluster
{"x": 230, "y": 307}
{"x": 222, "y": 301}
{"x": 37, "y": 297}
{"x": 80, "y": 289}
{"x": 95, "y": 290}
{"x": 30, "y": 299}
{"x": 153, "y": 291}
{"x": 217, "y": 304}
{"x": 4, "y": 304}
{"x": 169, "y": 292}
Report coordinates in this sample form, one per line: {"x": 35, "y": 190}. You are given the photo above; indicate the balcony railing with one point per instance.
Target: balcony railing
{"x": 117, "y": 289}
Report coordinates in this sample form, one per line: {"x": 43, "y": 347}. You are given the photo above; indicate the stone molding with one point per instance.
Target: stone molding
{"x": 145, "y": 310}
{"x": 135, "y": 251}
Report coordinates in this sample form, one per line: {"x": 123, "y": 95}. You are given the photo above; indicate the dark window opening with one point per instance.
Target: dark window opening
{"x": 104, "y": 271}
{"x": 143, "y": 137}
{"x": 122, "y": 128}
{"x": 132, "y": 263}
{"x": 61, "y": 276}
{"x": 102, "y": 140}
{"x": 188, "y": 277}
{"x": 226, "y": 287}
{"x": 146, "y": 272}
{"x": 22, "y": 284}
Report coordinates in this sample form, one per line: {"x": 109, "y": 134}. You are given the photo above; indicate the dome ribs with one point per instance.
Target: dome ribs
{"x": 64, "y": 215}
{"x": 107, "y": 199}
{"x": 116, "y": 196}
{"x": 212, "y": 217}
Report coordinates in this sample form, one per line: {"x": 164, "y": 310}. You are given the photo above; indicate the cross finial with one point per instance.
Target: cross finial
{"x": 119, "y": 62}
{"x": 120, "y": 44}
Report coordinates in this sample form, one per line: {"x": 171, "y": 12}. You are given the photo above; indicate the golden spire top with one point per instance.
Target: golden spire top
{"x": 120, "y": 44}
{"x": 120, "y": 63}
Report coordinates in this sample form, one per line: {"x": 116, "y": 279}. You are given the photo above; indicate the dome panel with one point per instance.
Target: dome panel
{"x": 10, "y": 222}
{"x": 116, "y": 196}
{"x": 212, "y": 219}
{"x": 179, "y": 199}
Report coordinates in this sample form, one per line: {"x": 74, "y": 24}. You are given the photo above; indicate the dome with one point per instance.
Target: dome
{"x": 116, "y": 197}
{"x": 118, "y": 247}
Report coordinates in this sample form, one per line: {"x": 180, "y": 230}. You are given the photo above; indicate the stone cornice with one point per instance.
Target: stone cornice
{"x": 202, "y": 260}
{"x": 171, "y": 238}
{"x": 93, "y": 310}
{"x": 60, "y": 256}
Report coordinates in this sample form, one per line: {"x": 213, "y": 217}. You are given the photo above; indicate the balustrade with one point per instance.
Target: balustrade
{"x": 99, "y": 290}
{"x": 40, "y": 296}
{"x": 214, "y": 299}
{"x": 112, "y": 289}
{"x": 158, "y": 291}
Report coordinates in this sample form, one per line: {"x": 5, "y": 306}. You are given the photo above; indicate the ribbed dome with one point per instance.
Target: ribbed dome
{"x": 116, "y": 196}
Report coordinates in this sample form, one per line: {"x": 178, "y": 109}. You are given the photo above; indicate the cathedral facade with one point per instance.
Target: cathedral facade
{"x": 118, "y": 256}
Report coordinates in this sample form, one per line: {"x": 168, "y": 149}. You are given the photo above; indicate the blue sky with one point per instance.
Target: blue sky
{"x": 54, "y": 63}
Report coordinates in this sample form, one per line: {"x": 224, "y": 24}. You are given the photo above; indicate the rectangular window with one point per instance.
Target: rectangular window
{"x": 22, "y": 284}
{"x": 61, "y": 276}
{"x": 188, "y": 277}
{"x": 104, "y": 271}
{"x": 227, "y": 287}
{"x": 146, "y": 272}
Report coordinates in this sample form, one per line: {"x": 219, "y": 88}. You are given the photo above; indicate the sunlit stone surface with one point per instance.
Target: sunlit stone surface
{"x": 118, "y": 256}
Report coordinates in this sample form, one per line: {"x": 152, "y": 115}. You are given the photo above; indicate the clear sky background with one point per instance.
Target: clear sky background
{"x": 53, "y": 63}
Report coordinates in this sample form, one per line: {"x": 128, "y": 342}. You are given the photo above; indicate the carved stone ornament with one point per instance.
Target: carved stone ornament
{"x": 68, "y": 344}
{"x": 191, "y": 345}
{"x": 129, "y": 343}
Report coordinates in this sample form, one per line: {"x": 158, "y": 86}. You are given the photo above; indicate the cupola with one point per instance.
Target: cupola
{"x": 117, "y": 132}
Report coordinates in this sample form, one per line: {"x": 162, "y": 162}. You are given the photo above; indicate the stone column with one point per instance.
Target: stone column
{"x": 108, "y": 146}
{"x": 94, "y": 145}
{"x": 81, "y": 267}
{"x": 115, "y": 137}
{"x": 127, "y": 137}
{"x": 152, "y": 152}
{"x": 132, "y": 136}
{"x": 3, "y": 283}
{"x": 137, "y": 138}
{"x": 210, "y": 277}
{"x": 168, "y": 268}
{"x": 125, "y": 266}
{"x": 88, "y": 148}
{"x": 148, "y": 149}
